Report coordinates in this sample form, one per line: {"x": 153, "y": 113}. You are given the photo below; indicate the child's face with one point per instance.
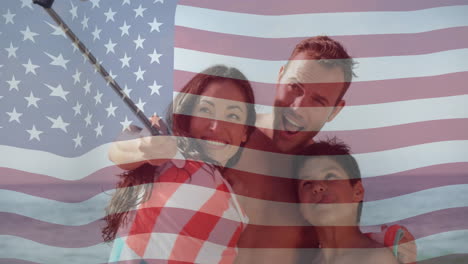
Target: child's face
{"x": 326, "y": 194}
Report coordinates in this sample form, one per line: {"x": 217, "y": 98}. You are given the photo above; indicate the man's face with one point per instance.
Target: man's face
{"x": 306, "y": 98}
{"x": 326, "y": 193}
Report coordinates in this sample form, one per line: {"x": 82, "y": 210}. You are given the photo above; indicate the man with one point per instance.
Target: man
{"x": 331, "y": 194}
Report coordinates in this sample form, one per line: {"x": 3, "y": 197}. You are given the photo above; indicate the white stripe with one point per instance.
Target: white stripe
{"x": 368, "y": 69}
{"x": 372, "y": 164}
{"x": 374, "y": 212}
{"x": 306, "y": 25}
{"x": 437, "y": 245}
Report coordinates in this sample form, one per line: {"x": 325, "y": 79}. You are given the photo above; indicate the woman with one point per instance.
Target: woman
{"x": 186, "y": 210}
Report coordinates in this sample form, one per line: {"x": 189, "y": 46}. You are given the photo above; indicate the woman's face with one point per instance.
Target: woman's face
{"x": 218, "y": 120}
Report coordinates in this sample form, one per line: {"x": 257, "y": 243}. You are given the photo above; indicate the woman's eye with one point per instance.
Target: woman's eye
{"x": 234, "y": 116}
{"x": 330, "y": 176}
{"x": 204, "y": 110}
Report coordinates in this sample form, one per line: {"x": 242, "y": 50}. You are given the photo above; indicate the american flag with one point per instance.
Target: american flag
{"x": 406, "y": 116}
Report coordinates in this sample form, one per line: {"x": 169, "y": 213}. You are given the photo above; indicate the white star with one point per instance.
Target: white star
{"x": 30, "y": 68}
{"x": 87, "y": 87}
{"x": 126, "y": 91}
{"x": 9, "y": 17}
{"x": 11, "y": 50}
{"x": 139, "y": 42}
{"x": 27, "y": 3}
{"x": 98, "y": 129}
{"x": 58, "y": 61}
{"x": 57, "y": 91}
{"x": 14, "y": 116}
{"x": 110, "y": 46}
{"x": 154, "y": 56}
{"x": 111, "y": 110}
{"x": 77, "y": 108}
{"x": 77, "y": 140}
{"x": 110, "y": 15}
{"x": 155, "y": 88}
{"x": 28, "y": 34}
{"x": 126, "y": 124}
{"x": 88, "y": 119}
{"x": 96, "y": 33}
{"x": 84, "y": 22}
{"x": 111, "y": 77}
{"x": 59, "y": 123}
{"x": 139, "y": 74}
{"x": 95, "y": 3}
{"x": 76, "y": 76}
{"x": 125, "y": 60}
{"x": 160, "y": 1}
{"x": 34, "y": 134}
{"x": 58, "y": 30}
{"x": 32, "y": 100}
{"x": 124, "y": 28}
{"x": 73, "y": 11}
{"x": 155, "y": 25}
{"x": 126, "y": 2}
{"x": 13, "y": 83}
{"x": 139, "y": 11}
{"x": 98, "y": 97}
{"x": 97, "y": 66}
{"x": 140, "y": 105}
{"x": 75, "y": 46}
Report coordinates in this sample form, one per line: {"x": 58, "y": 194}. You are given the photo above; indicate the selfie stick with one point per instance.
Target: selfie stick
{"x": 47, "y": 5}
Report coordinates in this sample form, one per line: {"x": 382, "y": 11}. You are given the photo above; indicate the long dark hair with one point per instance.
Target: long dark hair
{"x": 135, "y": 185}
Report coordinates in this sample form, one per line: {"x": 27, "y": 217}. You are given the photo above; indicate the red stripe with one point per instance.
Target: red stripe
{"x": 88, "y": 235}
{"x": 369, "y": 92}
{"x": 358, "y": 46}
{"x": 280, "y": 7}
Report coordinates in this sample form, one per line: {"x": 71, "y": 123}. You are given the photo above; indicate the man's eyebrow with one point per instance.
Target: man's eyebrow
{"x": 235, "y": 107}
{"x": 206, "y": 101}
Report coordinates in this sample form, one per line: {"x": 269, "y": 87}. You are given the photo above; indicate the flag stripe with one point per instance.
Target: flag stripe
{"x": 302, "y": 25}
{"x": 358, "y": 46}
{"x": 279, "y": 7}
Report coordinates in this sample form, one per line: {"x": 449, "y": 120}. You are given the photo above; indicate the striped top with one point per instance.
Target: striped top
{"x": 192, "y": 216}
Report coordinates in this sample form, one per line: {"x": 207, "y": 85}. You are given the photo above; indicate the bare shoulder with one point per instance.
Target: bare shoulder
{"x": 383, "y": 256}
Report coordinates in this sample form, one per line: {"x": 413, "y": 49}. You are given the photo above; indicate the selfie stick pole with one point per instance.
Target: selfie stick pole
{"x": 47, "y": 5}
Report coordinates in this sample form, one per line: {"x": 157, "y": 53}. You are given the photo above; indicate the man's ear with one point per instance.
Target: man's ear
{"x": 336, "y": 110}
{"x": 358, "y": 192}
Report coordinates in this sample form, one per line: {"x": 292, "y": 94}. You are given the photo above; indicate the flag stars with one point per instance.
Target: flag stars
{"x": 58, "y": 60}
{"x": 26, "y": 3}
{"x": 110, "y": 46}
{"x": 126, "y": 2}
{"x": 125, "y": 61}
{"x": 158, "y": 1}
{"x": 77, "y": 140}
{"x": 139, "y": 11}
{"x": 84, "y": 22}
{"x": 58, "y": 30}
{"x": 140, "y": 105}
{"x": 110, "y": 15}
{"x": 13, "y": 83}
{"x": 11, "y": 50}
{"x": 28, "y": 34}
{"x": 154, "y": 57}
{"x": 96, "y": 33}
{"x": 77, "y": 108}
{"x": 73, "y": 11}
{"x": 155, "y": 25}
{"x": 14, "y": 116}
{"x": 126, "y": 91}
{"x": 124, "y": 28}
{"x": 126, "y": 124}
{"x": 34, "y": 133}
{"x": 87, "y": 119}
{"x": 155, "y": 88}
{"x": 9, "y": 17}
{"x": 111, "y": 110}
{"x": 139, "y": 74}
{"x": 98, "y": 129}
{"x": 111, "y": 77}
{"x": 30, "y": 67}
{"x": 32, "y": 100}
{"x": 76, "y": 76}
{"x": 59, "y": 123}
{"x": 97, "y": 97}
{"x": 139, "y": 42}
{"x": 87, "y": 87}
{"x": 57, "y": 91}
{"x": 95, "y": 3}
